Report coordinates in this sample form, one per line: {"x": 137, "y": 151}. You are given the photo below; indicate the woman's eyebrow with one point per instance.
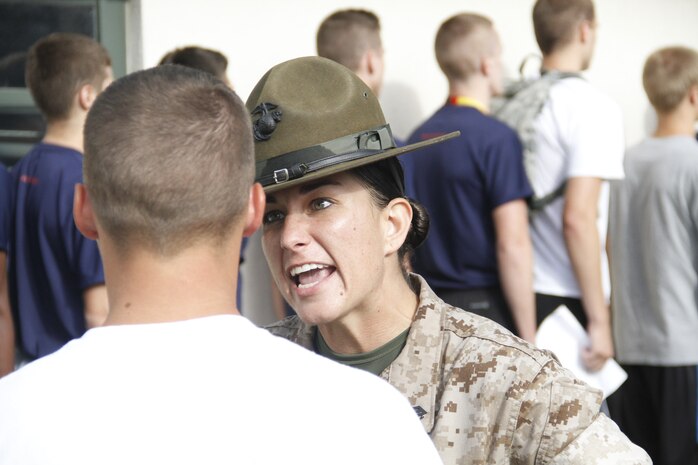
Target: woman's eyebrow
{"x": 311, "y": 186}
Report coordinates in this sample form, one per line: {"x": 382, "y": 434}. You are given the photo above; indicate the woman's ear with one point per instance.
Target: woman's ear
{"x": 398, "y": 220}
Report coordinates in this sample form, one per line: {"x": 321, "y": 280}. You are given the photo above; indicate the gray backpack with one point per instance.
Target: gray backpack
{"x": 522, "y": 102}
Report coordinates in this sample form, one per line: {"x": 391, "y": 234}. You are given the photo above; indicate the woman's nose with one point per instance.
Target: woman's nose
{"x": 295, "y": 231}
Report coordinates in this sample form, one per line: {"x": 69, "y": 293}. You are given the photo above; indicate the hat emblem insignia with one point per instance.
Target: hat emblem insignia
{"x": 269, "y": 116}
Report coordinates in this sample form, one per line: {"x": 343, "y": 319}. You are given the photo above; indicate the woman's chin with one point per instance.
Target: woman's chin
{"x": 315, "y": 316}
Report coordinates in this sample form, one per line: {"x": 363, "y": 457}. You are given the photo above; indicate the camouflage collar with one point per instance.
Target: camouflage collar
{"x": 417, "y": 370}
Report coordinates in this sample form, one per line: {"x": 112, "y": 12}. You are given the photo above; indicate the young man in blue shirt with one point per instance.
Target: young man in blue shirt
{"x": 56, "y": 278}
{"x": 478, "y": 254}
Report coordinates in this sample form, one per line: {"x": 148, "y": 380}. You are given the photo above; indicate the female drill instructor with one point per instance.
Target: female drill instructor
{"x": 336, "y": 227}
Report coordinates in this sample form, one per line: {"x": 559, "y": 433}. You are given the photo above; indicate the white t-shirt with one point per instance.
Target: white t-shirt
{"x": 213, "y": 390}
{"x": 579, "y": 133}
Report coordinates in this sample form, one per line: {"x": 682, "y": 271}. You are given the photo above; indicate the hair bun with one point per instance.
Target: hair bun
{"x": 419, "y": 227}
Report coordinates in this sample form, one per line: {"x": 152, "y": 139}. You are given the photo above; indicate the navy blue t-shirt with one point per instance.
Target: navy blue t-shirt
{"x": 461, "y": 182}
{"x": 51, "y": 262}
{"x": 5, "y": 208}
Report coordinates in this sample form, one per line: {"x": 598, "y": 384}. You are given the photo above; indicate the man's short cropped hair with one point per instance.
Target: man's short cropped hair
{"x": 58, "y": 65}
{"x": 668, "y": 75}
{"x": 461, "y": 42}
{"x": 555, "y": 21}
{"x": 169, "y": 159}
{"x": 346, "y": 35}
{"x": 205, "y": 59}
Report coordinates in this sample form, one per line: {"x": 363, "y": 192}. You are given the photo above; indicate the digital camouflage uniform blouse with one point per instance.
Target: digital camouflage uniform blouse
{"x": 487, "y": 397}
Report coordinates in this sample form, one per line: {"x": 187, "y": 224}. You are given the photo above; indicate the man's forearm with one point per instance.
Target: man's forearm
{"x": 516, "y": 278}
{"x": 7, "y": 329}
{"x": 7, "y": 342}
{"x": 515, "y": 264}
{"x": 584, "y": 248}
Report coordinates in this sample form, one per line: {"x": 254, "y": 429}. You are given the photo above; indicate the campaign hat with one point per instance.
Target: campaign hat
{"x": 313, "y": 117}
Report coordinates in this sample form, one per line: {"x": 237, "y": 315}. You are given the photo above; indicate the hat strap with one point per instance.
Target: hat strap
{"x": 298, "y": 163}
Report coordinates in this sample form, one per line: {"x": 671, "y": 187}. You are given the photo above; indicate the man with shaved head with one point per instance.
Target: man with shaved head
{"x": 478, "y": 254}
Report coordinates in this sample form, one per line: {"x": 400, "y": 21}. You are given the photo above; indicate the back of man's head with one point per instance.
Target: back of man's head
{"x": 668, "y": 76}
{"x": 346, "y": 35}
{"x": 211, "y": 61}
{"x": 555, "y": 21}
{"x": 461, "y": 43}
{"x": 57, "y": 67}
{"x": 168, "y": 160}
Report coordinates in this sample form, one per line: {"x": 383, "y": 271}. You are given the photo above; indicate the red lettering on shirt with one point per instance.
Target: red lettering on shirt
{"x": 430, "y": 135}
{"x": 29, "y": 180}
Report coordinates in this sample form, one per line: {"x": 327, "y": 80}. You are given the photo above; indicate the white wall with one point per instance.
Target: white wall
{"x": 255, "y": 35}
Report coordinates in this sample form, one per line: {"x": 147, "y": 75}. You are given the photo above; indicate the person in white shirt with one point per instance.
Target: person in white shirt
{"x": 579, "y": 141}
{"x": 176, "y": 375}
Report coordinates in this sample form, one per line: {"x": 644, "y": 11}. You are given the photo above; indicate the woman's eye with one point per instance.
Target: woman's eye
{"x": 320, "y": 204}
{"x": 272, "y": 216}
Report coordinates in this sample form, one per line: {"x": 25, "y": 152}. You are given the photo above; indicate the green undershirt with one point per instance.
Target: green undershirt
{"x": 374, "y": 361}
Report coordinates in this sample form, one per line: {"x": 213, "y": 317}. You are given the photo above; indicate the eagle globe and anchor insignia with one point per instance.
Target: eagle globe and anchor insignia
{"x": 264, "y": 126}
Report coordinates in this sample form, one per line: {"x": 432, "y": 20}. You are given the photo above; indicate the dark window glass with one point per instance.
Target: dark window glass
{"x": 22, "y": 24}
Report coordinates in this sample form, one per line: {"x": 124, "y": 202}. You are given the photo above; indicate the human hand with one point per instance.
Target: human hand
{"x": 600, "y": 346}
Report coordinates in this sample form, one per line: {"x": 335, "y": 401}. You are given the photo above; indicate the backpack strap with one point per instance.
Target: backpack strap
{"x": 536, "y": 204}
{"x": 522, "y": 103}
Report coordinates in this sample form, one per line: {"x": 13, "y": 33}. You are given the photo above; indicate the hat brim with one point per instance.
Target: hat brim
{"x": 373, "y": 158}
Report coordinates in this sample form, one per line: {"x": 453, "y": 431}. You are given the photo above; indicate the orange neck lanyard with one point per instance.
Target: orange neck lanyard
{"x": 462, "y": 101}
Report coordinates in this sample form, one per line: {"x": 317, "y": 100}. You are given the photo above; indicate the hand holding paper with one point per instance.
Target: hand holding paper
{"x": 562, "y": 334}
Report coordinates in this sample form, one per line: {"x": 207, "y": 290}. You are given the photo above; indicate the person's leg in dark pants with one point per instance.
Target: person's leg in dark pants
{"x": 634, "y": 409}
{"x": 677, "y": 419}
{"x": 547, "y": 304}
{"x": 656, "y": 409}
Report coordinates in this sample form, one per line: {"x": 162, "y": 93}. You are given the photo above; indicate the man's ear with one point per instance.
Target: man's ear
{"x": 87, "y": 95}
{"x": 375, "y": 63}
{"x": 693, "y": 94}
{"x": 585, "y": 31}
{"x": 371, "y": 58}
{"x": 83, "y": 213}
{"x": 398, "y": 217}
{"x": 486, "y": 66}
{"x": 255, "y": 209}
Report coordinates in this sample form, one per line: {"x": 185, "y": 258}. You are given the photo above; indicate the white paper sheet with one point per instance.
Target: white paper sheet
{"x": 562, "y": 334}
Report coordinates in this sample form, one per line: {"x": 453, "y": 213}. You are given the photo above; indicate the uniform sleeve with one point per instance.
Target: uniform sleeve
{"x": 560, "y": 418}
{"x": 602, "y": 443}
{"x": 505, "y": 176}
